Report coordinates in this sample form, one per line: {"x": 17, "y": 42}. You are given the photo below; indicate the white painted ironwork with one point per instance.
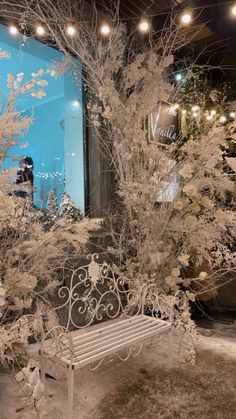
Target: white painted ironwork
{"x": 96, "y": 294}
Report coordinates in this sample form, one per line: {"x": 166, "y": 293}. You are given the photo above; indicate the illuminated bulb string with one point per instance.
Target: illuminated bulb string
{"x": 40, "y": 30}
{"x": 71, "y": 30}
{"x": 185, "y": 18}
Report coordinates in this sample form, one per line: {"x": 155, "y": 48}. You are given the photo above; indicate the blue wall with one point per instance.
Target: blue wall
{"x": 55, "y": 139}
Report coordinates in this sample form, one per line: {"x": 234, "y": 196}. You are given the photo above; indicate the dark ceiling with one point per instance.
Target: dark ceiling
{"x": 212, "y": 35}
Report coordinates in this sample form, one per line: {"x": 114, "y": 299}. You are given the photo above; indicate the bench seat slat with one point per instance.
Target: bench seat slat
{"x": 82, "y": 336}
{"x": 103, "y": 337}
{"x": 118, "y": 347}
{"x": 108, "y": 326}
{"x": 80, "y": 356}
{"x": 112, "y": 340}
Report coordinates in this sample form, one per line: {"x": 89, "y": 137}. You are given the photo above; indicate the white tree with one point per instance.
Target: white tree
{"x": 178, "y": 244}
{"x": 68, "y": 209}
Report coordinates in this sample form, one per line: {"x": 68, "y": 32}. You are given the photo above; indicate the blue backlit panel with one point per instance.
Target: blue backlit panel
{"x": 55, "y": 139}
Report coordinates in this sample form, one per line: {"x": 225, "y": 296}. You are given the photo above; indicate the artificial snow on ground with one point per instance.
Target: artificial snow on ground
{"x": 144, "y": 387}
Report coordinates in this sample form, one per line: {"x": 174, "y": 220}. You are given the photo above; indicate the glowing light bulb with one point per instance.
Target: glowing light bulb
{"x": 209, "y": 117}
{"x": 195, "y": 108}
{"x": 144, "y": 26}
{"x": 232, "y": 114}
{"x": 178, "y": 77}
{"x": 195, "y": 114}
{"x": 70, "y": 30}
{"x": 184, "y": 111}
{"x": 186, "y": 18}
{"x": 223, "y": 119}
{"x": 105, "y": 29}
{"x": 13, "y": 30}
{"x": 233, "y": 10}
{"x": 213, "y": 112}
{"x": 76, "y": 103}
{"x": 40, "y": 30}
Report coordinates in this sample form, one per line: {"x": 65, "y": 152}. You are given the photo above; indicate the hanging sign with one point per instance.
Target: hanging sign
{"x": 163, "y": 124}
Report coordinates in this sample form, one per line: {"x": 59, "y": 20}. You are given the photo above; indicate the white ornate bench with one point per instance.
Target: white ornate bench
{"x": 97, "y": 295}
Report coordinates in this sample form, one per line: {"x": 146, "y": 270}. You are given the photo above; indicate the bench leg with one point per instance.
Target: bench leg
{"x": 70, "y": 391}
{"x": 170, "y": 347}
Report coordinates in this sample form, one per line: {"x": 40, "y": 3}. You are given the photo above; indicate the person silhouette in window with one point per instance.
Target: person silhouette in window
{"x": 25, "y": 175}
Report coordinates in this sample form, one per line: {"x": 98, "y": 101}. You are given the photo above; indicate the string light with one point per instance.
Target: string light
{"x": 105, "y": 29}
{"x": 184, "y": 111}
{"x": 178, "y": 77}
{"x": 76, "y": 103}
{"x": 40, "y": 30}
{"x": 232, "y": 114}
{"x": 13, "y": 30}
{"x": 213, "y": 112}
{"x": 70, "y": 30}
{"x": 223, "y": 119}
{"x": 186, "y": 18}
{"x": 233, "y": 10}
{"x": 195, "y": 114}
{"x": 195, "y": 108}
{"x": 144, "y": 26}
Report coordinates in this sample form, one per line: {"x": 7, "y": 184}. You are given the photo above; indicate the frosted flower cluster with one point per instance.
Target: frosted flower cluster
{"x": 16, "y": 84}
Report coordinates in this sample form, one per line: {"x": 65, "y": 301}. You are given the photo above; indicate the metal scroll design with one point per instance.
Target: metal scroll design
{"x": 97, "y": 293}
{"x": 56, "y": 341}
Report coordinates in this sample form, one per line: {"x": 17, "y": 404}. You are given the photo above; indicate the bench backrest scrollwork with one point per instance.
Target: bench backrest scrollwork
{"x": 97, "y": 293}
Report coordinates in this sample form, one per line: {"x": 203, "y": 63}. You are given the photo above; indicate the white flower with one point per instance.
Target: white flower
{"x": 184, "y": 259}
{"x": 41, "y": 93}
{"x": 202, "y": 276}
{"x": 179, "y": 205}
{"x": 190, "y": 190}
{"x": 175, "y": 272}
{"x": 171, "y": 281}
{"x": 186, "y": 171}
{"x": 42, "y": 83}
